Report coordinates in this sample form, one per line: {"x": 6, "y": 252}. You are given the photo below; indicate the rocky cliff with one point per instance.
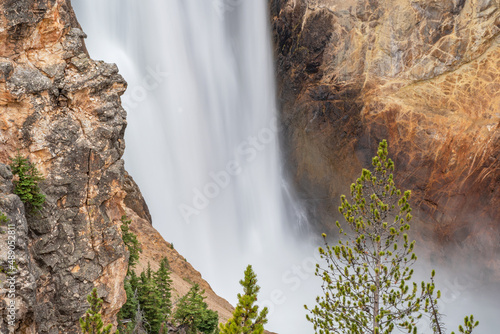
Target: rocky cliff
{"x": 423, "y": 74}
{"x": 62, "y": 110}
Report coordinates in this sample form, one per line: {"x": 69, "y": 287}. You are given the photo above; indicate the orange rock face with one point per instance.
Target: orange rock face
{"x": 422, "y": 74}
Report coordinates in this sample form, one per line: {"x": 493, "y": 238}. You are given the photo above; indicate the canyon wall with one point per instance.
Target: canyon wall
{"x": 62, "y": 110}
{"x": 423, "y": 74}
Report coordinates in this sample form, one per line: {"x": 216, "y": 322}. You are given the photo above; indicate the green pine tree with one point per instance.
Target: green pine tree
{"x": 130, "y": 240}
{"x": 130, "y": 284}
{"x": 129, "y": 309}
{"x": 208, "y": 322}
{"x": 91, "y": 322}
{"x": 134, "y": 280}
{"x": 26, "y": 186}
{"x": 149, "y": 272}
{"x": 367, "y": 276}
{"x": 246, "y": 317}
{"x": 192, "y": 313}
{"x": 150, "y": 301}
{"x": 163, "y": 284}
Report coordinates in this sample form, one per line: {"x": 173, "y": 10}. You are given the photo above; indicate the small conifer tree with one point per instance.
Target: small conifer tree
{"x": 367, "y": 276}
{"x": 192, "y": 313}
{"x": 129, "y": 309}
{"x": 91, "y": 322}
{"x": 130, "y": 284}
{"x": 26, "y": 187}
{"x": 163, "y": 285}
{"x": 246, "y": 317}
{"x": 130, "y": 240}
{"x": 150, "y": 301}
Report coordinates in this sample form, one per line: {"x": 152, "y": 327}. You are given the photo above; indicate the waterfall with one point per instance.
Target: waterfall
{"x": 202, "y": 140}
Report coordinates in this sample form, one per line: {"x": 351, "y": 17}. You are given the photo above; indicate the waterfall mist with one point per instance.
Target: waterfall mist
{"x": 202, "y": 141}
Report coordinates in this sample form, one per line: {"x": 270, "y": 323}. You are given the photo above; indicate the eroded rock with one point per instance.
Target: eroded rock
{"x": 422, "y": 74}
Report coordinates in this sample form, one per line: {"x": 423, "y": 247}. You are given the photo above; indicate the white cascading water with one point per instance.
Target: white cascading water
{"x": 202, "y": 142}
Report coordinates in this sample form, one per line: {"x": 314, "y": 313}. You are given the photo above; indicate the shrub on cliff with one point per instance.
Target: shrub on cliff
{"x": 91, "y": 322}
{"x": 246, "y": 317}
{"x": 26, "y": 186}
{"x": 130, "y": 240}
{"x": 367, "y": 276}
{"x": 3, "y": 220}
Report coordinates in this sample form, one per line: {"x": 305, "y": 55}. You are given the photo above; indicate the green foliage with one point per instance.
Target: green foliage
{"x": 367, "y": 276}
{"x": 131, "y": 282}
{"x": 150, "y": 301}
{"x": 134, "y": 280}
{"x": 26, "y": 187}
{"x": 246, "y": 318}
{"x": 193, "y": 315}
{"x": 164, "y": 287}
{"x": 130, "y": 240}
{"x": 148, "y": 298}
{"x": 469, "y": 325}
{"x": 91, "y": 322}
{"x": 129, "y": 309}
{"x": 3, "y": 218}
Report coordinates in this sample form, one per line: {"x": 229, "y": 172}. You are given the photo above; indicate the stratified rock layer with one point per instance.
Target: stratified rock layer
{"x": 62, "y": 110}
{"x": 423, "y": 74}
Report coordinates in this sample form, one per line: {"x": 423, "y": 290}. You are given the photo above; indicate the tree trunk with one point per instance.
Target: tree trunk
{"x": 376, "y": 296}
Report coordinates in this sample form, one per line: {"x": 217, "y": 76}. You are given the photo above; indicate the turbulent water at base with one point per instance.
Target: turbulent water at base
{"x": 202, "y": 141}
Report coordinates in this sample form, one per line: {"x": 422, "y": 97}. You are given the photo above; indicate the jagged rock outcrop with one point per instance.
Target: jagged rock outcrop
{"x": 62, "y": 110}
{"x": 423, "y": 74}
